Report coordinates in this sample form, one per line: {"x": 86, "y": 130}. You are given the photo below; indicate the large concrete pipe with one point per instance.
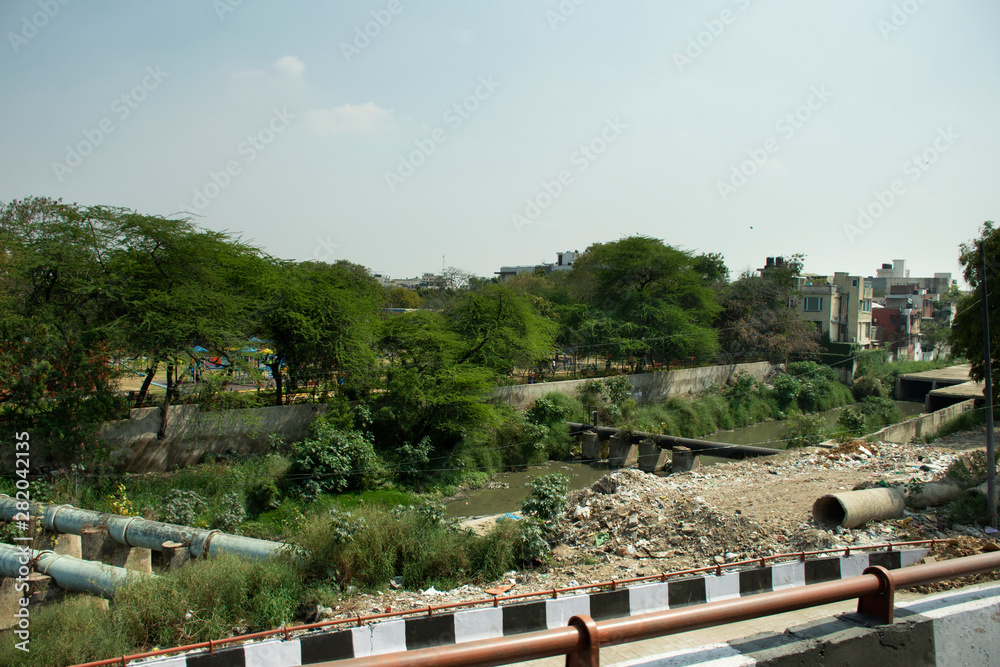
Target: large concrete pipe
{"x": 69, "y": 574}
{"x": 719, "y": 449}
{"x": 854, "y": 508}
{"x": 139, "y": 532}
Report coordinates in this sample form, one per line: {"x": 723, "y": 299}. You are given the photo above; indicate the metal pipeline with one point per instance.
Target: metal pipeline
{"x": 69, "y": 574}
{"x": 722, "y": 450}
{"x": 138, "y": 532}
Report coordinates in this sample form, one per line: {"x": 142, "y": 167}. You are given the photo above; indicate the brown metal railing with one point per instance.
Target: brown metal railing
{"x": 495, "y": 600}
{"x": 583, "y": 638}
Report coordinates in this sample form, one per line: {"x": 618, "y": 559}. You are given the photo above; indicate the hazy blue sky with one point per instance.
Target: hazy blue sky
{"x": 502, "y": 132}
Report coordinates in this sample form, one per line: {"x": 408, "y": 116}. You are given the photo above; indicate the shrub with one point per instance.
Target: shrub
{"x": 333, "y": 460}
{"x": 879, "y": 412}
{"x": 851, "y": 421}
{"x": 546, "y": 411}
{"x": 231, "y": 513}
{"x": 547, "y": 499}
{"x": 868, "y": 385}
{"x": 969, "y": 509}
{"x": 805, "y": 430}
{"x": 182, "y": 507}
{"x": 499, "y": 551}
{"x": 611, "y": 397}
{"x": 970, "y": 469}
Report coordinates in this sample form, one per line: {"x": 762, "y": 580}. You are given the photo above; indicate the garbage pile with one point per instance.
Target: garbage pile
{"x": 631, "y": 513}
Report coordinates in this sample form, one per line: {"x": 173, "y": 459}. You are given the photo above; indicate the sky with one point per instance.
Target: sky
{"x": 406, "y": 136}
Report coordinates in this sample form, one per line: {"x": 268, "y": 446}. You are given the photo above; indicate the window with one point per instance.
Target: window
{"x": 812, "y": 304}
{"x": 791, "y": 302}
{"x": 866, "y": 305}
{"x": 854, "y": 283}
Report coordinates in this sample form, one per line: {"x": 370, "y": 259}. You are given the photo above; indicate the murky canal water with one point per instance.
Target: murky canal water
{"x": 508, "y": 489}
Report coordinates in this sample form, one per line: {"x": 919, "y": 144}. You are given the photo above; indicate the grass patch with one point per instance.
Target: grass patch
{"x": 963, "y": 422}
{"x": 204, "y": 600}
{"x": 371, "y": 545}
{"x": 807, "y": 387}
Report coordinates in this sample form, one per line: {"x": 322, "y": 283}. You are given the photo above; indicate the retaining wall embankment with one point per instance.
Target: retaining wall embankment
{"x": 923, "y": 426}
{"x": 191, "y": 434}
{"x": 645, "y": 386}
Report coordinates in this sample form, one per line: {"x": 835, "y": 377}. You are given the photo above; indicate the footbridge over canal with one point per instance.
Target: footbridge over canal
{"x": 648, "y": 450}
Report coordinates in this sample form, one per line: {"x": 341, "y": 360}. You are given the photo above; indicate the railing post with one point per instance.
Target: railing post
{"x": 879, "y": 605}
{"x": 589, "y": 653}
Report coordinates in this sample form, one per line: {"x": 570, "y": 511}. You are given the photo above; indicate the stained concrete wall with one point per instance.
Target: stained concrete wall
{"x": 645, "y": 386}
{"x": 922, "y": 426}
{"x": 191, "y": 434}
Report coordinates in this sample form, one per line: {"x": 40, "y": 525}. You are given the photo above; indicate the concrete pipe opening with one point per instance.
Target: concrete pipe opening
{"x": 855, "y": 508}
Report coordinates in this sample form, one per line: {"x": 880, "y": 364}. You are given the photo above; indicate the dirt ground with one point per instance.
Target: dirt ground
{"x": 631, "y": 524}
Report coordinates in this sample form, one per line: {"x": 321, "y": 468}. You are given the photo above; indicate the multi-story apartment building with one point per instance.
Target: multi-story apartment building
{"x": 840, "y": 306}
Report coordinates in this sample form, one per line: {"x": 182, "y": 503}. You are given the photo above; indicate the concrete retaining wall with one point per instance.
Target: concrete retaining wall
{"x": 645, "y": 386}
{"x": 190, "y": 435}
{"x": 922, "y": 426}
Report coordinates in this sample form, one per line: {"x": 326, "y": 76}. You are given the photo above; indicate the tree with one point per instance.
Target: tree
{"x": 54, "y": 342}
{"x": 401, "y": 297}
{"x": 967, "y": 332}
{"x": 756, "y": 319}
{"x": 500, "y": 329}
{"x": 321, "y": 321}
{"x": 658, "y": 297}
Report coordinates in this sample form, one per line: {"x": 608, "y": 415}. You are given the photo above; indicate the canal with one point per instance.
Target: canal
{"x": 506, "y": 491}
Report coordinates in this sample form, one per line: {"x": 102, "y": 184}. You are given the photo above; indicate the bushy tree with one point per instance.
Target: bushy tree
{"x": 643, "y": 298}
{"x": 967, "y": 332}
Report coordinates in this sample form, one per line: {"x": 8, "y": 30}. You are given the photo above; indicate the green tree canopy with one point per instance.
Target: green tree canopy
{"x": 641, "y": 290}
{"x": 967, "y": 331}
{"x": 321, "y": 320}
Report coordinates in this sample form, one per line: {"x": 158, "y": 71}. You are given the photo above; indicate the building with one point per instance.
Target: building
{"x": 898, "y": 331}
{"x": 840, "y": 306}
{"x": 896, "y": 274}
{"x": 427, "y": 280}
{"x": 564, "y": 262}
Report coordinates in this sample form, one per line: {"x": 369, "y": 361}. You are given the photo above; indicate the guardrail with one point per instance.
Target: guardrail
{"x": 496, "y": 599}
{"x": 583, "y": 638}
